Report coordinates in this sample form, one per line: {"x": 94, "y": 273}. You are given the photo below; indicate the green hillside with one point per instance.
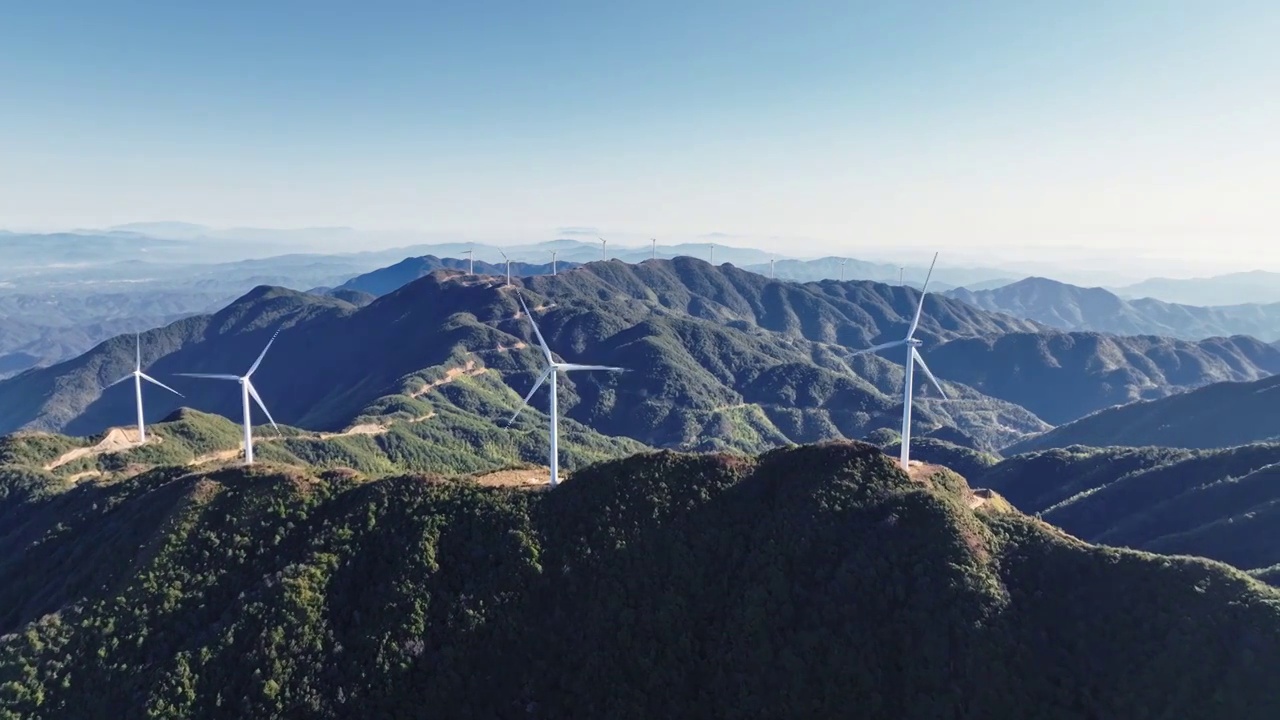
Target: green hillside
{"x": 1221, "y": 504}
{"x": 722, "y": 359}
{"x": 698, "y": 381}
{"x": 802, "y": 583}
{"x": 1221, "y": 415}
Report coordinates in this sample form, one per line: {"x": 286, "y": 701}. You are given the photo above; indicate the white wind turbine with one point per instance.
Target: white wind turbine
{"x": 246, "y": 390}
{"x": 138, "y": 376}
{"x": 913, "y": 358}
{"x": 842, "y": 262}
{"x": 711, "y": 258}
{"x": 553, "y": 262}
{"x": 471, "y": 262}
{"x": 504, "y": 257}
{"x": 653, "y": 248}
{"x": 603, "y": 242}
{"x": 550, "y": 373}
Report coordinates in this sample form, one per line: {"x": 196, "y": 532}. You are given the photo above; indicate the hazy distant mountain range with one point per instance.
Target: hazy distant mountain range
{"x": 1074, "y": 308}
{"x": 1258, "y": 286}
{"x": 389, "y": 279}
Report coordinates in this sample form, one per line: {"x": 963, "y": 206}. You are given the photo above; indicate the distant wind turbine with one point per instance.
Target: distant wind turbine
{"x": 138, "y": 376}
{"x": 246, "y": 390}
{"x": 553, "y": 262}
{"x": 504, "y": 257}
{"x": 842, "y": 262}
{"x": 553, "y": 368}
{"x": 653, "y": 253}
{"x": 471, "y": 263}
{"x": 771, "y": 268}
{"x": 712, "y": 257}
{"x": 603, "y": 242}
{"x": 901, "y": 272}
{"x": 913, "y": 358}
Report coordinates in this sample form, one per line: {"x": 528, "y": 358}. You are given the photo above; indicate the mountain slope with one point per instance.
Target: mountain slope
{"x": 389, "y": 279}
{"x": 1064, "y": 376}
{"x": 1068, "y": 307}
{"x": 1216, "y": 416}
{"x": 1216, "y": 503}
{"x": 702, "y": 379}
{"x": 798, "y": 584}
{"x": 723, "y": 358}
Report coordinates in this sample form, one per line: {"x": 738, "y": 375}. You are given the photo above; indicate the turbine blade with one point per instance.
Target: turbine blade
{"x": 541, "y": 341}
{"x": 504, "y": 255}
{"x": 882, "y": 346}
{"x": 541, "y": 379}
{"x": 154, "y": 381}
{"x": 257, "y": 398}
{"x": 920, "y": 308}
{"x": 258, "y": 362}
{"x": 117, "y": 382}
{"x": 920, "y": 361}
{"x": 569, "y": 367}
{"x": 209, "y": 376}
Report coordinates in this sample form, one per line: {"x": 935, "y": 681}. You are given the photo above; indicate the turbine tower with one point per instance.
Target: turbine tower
{"x": 504, "y": 257}
{"x": 246, "y": 391}
{"x": 471, "y": 262}
{"x": 653, "y": 252}
{"x": 603, "y": 242}
{"x": 553, "y": 369}
{"x": 138, "y": 376}
{"x": 913, "y": 358}
{"x": 771, "y": 268}
{"x": 553, "y": 262}
{"x": 712, "y": 257}
{"x": 842, "y": 262}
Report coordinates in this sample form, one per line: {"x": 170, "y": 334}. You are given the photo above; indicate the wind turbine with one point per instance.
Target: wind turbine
{"x": 471, "y": 262}
{"x": 653, "y": 252}
{"x": 913, "y": 358}
{"x": 771, "y": 268}
{"x": 712, "y": 257}
{"x": 842, "y": 262}
{"x": 553, "y": 262}
{"x": 504, "y": 257}
{"x": 138, "y": 376}
{"x": 246, "y": 390}
{"x": 551, "y": 372}
{"x": 603, "y": 242}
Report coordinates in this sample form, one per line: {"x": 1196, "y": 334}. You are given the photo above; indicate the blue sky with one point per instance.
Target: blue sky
{"x": 1144, "y": 125}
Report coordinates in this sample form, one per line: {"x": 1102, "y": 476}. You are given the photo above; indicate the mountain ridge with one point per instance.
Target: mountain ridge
{"x": 798, "y": 583}
{"x": 1068, "y": 307}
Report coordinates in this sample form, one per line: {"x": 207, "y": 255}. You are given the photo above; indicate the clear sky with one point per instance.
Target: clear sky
{"x": 1119, "y": 124}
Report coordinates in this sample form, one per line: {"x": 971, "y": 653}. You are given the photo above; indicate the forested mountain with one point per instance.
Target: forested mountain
{"x": 706, "y": 374}
{"x": 723, "y": 358}
{"x": 389, "y": 279}
{"x": 1069, "y": 307}
{"x": 801, "y": 583}
{"x": 1064, "y": 376}
{"x": 1217, "y": 416}
{"x": 1223, "y": 504}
